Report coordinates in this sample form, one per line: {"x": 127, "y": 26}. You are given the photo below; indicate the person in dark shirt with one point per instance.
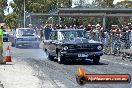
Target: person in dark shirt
{"x": 41, "y": 34}
{"x": 47, "y": 31}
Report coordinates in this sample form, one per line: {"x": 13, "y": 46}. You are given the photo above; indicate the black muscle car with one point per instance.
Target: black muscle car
{"x": 72, "y": 44}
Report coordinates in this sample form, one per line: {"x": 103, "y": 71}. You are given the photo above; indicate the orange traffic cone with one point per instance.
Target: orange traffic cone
{"x": 8, "y": 56}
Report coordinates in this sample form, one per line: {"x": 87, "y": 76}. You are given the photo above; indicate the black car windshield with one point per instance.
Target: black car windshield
{"x": 72, "y": 34}
{"x": 26, "y": 31}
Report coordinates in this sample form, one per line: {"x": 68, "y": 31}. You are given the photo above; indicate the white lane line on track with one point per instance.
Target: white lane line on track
{"x": 126, "y": 64}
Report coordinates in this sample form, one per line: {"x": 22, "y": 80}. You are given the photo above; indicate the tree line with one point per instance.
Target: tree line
{"x": 47, "y": 6}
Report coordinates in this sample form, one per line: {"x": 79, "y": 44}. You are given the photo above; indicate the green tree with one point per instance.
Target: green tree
{"x": 11, "y": 20}
{"x": 80, "y": 4}
{"x": 101, "y": 4}
{"x": 124, "y": 4}
{"x": 38, "y": 6}
{"x": 3, "y": 4}
{"x": 104, "y": 3}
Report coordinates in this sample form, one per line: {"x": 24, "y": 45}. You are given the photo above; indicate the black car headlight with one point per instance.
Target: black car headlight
{"x": 65, "y": 48}
{"x": 99, "y": 47}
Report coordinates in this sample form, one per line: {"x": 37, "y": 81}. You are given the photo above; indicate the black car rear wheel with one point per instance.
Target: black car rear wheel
{"x": 96, "y": 59}
{"x": 60, "y": 59}
{"x": 50, "y": 57}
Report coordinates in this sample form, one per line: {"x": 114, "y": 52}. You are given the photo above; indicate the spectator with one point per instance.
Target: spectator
{"x": 41, "y": 34}
{"x": 89, "y": 27}
{"x": 47, "y": 31}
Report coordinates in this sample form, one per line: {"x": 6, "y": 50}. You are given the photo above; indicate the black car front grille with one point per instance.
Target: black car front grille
{"x": 87, "y": 50}
{"x": 84, "y": 48}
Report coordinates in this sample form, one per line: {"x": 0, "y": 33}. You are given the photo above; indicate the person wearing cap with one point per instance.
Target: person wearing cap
{"x": 116, "y": 39}
{"x": 127, "y": 35}
{"x": 101, "y": 34}
{"x": 47, "y": 31}
{"x": 112, "y": 36}
{"x": 98, "y": 26}
{"x": 96, "y": 32}
{"x": 88, "y": 27}
{"x": 105, "y": 39}
{"x": 1, "y": 44}
{"x": 74, "y": 26}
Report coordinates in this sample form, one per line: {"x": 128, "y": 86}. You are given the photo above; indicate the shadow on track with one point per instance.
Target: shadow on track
{"x": 86, "y": 62}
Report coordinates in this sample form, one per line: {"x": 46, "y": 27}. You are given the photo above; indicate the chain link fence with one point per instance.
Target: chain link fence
{"x": 114, "y": 43}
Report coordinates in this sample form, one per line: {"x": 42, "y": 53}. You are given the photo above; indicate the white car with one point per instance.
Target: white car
{"x": 24, "y": 36}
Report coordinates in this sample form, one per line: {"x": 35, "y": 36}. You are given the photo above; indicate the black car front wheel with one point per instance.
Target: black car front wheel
{"x": 50, "y": 57}
{"x": 60, "y": 59}
{"x": 96, "y": 59}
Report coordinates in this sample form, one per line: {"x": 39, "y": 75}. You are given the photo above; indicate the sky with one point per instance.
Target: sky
{"x": 10, "y": 9}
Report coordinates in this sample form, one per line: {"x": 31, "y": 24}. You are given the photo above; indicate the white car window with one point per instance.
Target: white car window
{"x": 26, "y": 32}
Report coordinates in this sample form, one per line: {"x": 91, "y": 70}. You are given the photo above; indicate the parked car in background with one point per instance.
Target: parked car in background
{"x": 73, "y": 44}
{"x": 24, "y": 36}
{"x": 5, "y": 36}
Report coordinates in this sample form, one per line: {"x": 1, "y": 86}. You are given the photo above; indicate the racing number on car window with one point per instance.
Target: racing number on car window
{"x": 53, "y": 36}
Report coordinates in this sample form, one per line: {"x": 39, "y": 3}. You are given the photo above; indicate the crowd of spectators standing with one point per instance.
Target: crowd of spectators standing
{"x": 113, "y": 39}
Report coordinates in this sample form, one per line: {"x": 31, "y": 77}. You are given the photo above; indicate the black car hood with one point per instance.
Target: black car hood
{"x": 80, "y": 41}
